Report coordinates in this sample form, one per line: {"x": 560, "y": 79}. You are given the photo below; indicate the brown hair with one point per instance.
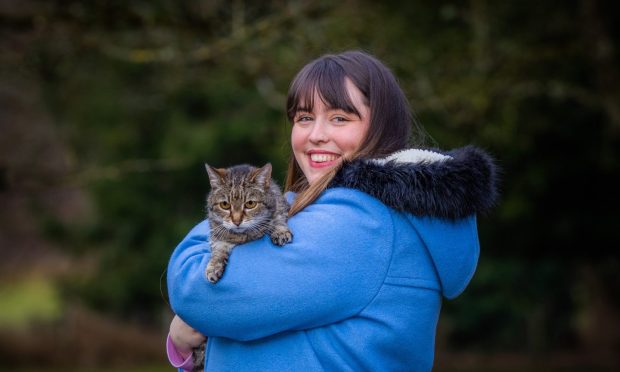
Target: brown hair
{"x": 391, "y": 118}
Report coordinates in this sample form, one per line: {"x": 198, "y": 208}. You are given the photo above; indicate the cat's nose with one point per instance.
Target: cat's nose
{"x": 236, "y": 218}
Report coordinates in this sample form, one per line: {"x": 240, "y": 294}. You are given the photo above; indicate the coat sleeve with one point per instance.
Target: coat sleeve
{"x": 332, "y": 269}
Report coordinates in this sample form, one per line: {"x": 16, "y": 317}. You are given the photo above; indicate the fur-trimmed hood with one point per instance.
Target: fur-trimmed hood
{"x": 454, "y": 186}
{"x": 450, "y": 185}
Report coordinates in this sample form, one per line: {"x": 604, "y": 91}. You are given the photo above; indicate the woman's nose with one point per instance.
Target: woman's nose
{"x": 318, "y": 133}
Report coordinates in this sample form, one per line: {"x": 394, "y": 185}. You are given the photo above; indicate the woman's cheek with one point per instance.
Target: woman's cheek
{"x": 297, "y": 139}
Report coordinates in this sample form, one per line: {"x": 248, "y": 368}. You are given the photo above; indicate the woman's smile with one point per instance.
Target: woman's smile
{"x": 321, "y": 158}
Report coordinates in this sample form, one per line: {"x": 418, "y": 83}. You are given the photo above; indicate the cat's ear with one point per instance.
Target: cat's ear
{"x": 216, "y": 175}
{"x": 262, "y": 175}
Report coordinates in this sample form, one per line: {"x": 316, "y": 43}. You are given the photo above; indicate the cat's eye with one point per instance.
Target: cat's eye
{"x": 250, "y": 204}
{"x": 225, "y": 205}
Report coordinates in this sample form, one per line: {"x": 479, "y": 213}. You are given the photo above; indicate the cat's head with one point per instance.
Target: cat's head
{"x": 239, "y": 196}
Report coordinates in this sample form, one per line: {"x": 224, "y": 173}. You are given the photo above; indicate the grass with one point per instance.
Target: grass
{"x": 26, "y": 301}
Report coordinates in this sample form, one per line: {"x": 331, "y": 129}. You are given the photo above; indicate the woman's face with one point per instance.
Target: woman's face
{"x": 322, "y": 137}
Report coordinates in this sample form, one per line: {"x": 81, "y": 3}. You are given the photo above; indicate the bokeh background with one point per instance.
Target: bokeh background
{"x": 108, "y": 110}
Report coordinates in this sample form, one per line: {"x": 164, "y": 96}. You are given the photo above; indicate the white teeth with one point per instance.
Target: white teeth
{"x": 321, "y": 158}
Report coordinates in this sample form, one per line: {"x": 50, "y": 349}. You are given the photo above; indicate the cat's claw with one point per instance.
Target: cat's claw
{"x": 281, "y": 237}
{"x": 214, "y": 272}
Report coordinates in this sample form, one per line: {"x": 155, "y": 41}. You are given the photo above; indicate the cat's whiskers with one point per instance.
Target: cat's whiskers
{"x": 218, "y": 232}
{"x": 260, "y": 227}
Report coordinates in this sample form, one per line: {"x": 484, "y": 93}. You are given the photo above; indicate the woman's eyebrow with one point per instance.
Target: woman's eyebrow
{"x": 352, "y": 112}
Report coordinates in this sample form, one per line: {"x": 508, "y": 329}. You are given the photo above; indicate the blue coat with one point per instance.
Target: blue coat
{"x": 359, "y": 287}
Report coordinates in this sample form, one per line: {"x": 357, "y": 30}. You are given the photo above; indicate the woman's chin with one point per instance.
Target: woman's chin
{"x": 315, "y": 176}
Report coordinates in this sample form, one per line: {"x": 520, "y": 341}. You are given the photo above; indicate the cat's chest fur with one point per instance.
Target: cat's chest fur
{"x": 237, "y": 237}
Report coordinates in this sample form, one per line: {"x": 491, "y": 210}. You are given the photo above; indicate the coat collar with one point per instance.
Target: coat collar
{"x": 451, "y": 184}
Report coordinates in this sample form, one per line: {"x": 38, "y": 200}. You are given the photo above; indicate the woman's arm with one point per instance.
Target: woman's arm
{"x": 333, "y": 269}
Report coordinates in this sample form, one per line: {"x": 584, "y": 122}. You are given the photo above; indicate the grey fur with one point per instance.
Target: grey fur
{"x": 239, "y": 223}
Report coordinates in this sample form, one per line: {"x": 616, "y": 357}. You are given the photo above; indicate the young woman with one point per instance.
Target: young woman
{"x": 381, "y": 234}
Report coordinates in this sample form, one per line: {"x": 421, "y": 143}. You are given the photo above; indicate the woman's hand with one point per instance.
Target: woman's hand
{"x": 184, "y": 337}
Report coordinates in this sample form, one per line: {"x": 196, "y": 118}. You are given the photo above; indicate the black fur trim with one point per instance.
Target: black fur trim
{"x": 452, "y": 188}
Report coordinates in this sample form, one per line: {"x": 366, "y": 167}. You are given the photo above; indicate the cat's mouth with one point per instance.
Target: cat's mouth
{"x": 237, "y": 229}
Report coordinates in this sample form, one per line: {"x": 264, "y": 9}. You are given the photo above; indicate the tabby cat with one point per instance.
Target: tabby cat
{"x": 243, "y": 205}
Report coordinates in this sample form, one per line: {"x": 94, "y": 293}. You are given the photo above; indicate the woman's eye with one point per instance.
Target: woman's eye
{"x": 340, "y": 119}
{"x": 225, "y": 205}
{"x": 303, "y": 118}
{"x": 250, "y": 204}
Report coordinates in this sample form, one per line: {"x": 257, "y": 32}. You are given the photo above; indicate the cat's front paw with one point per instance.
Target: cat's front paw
{"x": 214, "y": 271}
{"x": 281, "y": 236}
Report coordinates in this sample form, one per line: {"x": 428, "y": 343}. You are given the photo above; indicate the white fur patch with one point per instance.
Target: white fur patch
{"x": 414, "y": 156}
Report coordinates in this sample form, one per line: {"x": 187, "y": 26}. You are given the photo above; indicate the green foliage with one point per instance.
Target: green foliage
{"x": 28, "y": 301}
{"x": 510, "y": 299}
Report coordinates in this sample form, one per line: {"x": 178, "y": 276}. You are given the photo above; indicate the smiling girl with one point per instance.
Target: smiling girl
{"x": 381, "y": 234}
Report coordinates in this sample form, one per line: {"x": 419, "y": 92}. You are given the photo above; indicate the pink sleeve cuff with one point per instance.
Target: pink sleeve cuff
{"x": 176, "y": 358}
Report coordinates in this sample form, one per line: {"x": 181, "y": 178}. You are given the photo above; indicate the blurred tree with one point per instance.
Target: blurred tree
{"x": 143, "y": 93}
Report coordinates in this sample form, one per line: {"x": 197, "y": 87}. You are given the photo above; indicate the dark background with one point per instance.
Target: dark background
{"x": 108, "y": 110}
